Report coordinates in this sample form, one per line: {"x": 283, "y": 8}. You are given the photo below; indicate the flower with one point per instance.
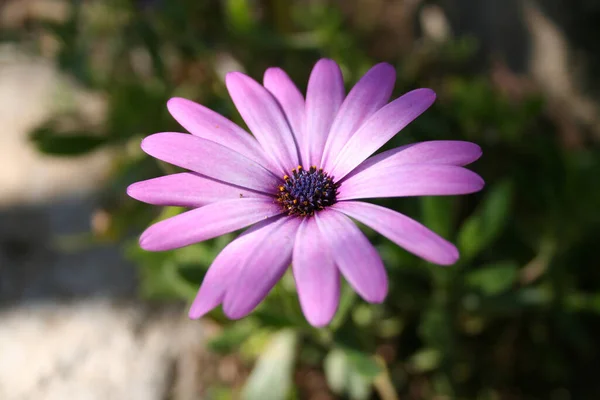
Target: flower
{"x": 297, "y": 182}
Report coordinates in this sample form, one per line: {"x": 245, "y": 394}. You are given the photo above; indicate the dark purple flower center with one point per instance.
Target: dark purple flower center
{"x": 306, "y": 191}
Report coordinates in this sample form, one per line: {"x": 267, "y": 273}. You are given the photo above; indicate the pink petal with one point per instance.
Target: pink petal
{"x": 380, "y": 128}
{"x": 265, "y": 118}
{"x": 369, "y": 94}
{"x": 261, "y": 267}
{"x": 324, "y": 96}
{"x": 206, "y": 222}
{"x": 207, "y": 124}
{"x": 317, "y": 278}
{"x": 210, "y": 159}
{"x": 410, "y": 180}
{"x": 356, "y": 258}
{"x": 187, "y": 189}
{"x": 402, "y": 230}
{"x": 291, "y": 101}
{"x": 224, "y": 271}
{"x": 447, "y": 152}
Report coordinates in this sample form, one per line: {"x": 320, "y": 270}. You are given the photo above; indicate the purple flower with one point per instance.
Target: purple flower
{"x": 297, "y": 181}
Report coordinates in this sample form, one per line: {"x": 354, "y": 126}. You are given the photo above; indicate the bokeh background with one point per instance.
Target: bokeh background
{"x": 85, "y": 314}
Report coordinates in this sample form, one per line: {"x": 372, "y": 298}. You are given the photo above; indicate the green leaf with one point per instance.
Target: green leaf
{"x": 438, "y": 214}
{"x": 160, "y": 277}
{"x": 239, "y": 15}
{"x": 349, "y": 336}
{"x": 487, "y": 222}
{"x": 494, "y": 278}
{"x": 358, "y": 387}
{"x": 273, "y": 318}
{"x": 74, "y": 143}
{"x": 218, "y": 392}
{"x": 346, "y": 374}
{"x": 364, "y": 364}
{"x": 271, "y": 378}
{"x": 347, "y": 300}
{"x": 192, "y": 273}
{"x": 193, "y": 261}
{"x": 435, "y": 327}
{"x": 232, "y": 337}
{"x": 336, "y": 371}
{"x": 426, "y": 360}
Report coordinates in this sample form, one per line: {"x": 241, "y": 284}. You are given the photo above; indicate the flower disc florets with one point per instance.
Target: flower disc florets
{"x": 305, "y": 192}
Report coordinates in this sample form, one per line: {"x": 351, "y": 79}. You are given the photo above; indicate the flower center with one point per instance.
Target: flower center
{"x": 305, "y": 192}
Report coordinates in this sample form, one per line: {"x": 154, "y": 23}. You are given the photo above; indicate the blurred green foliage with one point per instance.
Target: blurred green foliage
{"x": 517, "y": 317}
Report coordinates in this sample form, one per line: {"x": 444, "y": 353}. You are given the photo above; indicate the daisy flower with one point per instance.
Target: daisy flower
{"x": 297, "y": 183}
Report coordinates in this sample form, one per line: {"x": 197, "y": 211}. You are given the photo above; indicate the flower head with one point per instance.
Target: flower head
{"x": 296, "y": 182}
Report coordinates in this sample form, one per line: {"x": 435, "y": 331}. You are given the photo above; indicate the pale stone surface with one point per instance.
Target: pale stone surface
{"x": 42, "y": 197}
{"x": 31, "y": 91}
{"x": 91, "y": 350}
{"x": 63, "y": 333}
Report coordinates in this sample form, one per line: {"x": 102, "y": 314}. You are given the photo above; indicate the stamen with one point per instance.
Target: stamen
{"x": 306, "y": 191}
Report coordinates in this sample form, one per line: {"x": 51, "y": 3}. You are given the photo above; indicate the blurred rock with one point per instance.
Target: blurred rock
{"x": 45, "y": 253}
{"x": 17, "y": 12}
{"x": 94, "y": 350}
{"x": 31, "y": 91}
{"x": 46, "y": 203}
{"x": 70, "y": 324}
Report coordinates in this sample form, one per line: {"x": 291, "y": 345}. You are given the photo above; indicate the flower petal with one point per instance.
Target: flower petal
{"x": 317, "y": 278}
{"x": 410, "y": 180}
{"x": 356, "y": 258}
{"x": 447, "y": 152}
{"x": 402, "y": 230}
{"x": 262, "y": 267}
{"x": 369, "y": 94}
{"x": 207, "y": 124}
{"x": 206, "y": 222}
{"x": 224, "y": 270}
{"x": 291, "y": 101}
{"x": 380, "y": 128}
{"x": 324, "y": 96}
{"x": 210, "y": 159}
{"x": 187, "y": 189}
{"x": 263, "y": 115}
